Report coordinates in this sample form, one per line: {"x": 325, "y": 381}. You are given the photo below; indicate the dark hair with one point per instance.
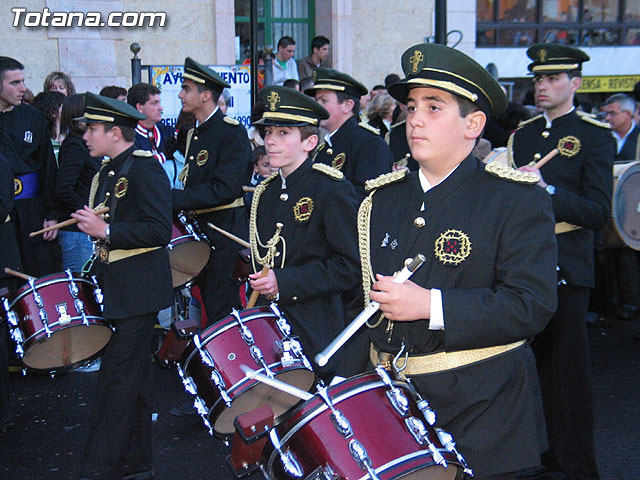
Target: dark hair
{"x": 66, "y": 79}
{"x": 49, "y": 104}
{"x": 343, "y": 97}
{"x": 8, "y": 63}
{"x": 306, "y": 131}
{"x": 128, "y": 133}
{"x": 291, "y": 83}
{"x": 378, "y": 87}
{"x": 636, "y": 92}
{"x": 215, "y": 94}
{"x": 391, "y": 78}
{"x": 306, "y": 83}
{"x": 72, "y": 107}
{"x": 113, "y": 91}
{"x": 140, "y": 93}
{"x": 465, "y": 106}
{"x": 285, "y": 41}
{"x": 319, "y": 42}
{"x": 257, "y": 154}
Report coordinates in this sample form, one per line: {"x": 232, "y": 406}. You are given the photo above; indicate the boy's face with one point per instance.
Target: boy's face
{"x": 554, "y": 90}
{"x": 189, "y": 96}
{"x": 338, "y": 112}
{"x": 286, "y": 149}
{"x": 263, "y": 167}
{"x": 435, "y": 129}
{"x": 98, "y": 141}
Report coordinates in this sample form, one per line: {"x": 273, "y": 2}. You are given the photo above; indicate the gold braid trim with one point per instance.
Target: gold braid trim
{"x": 508, "y": 173}
{"x": 330, "y": 171}
{"x": 184, "y": 173}
{"x": 364, "y": 220}
{"x": 254, "y": 239}
{"x": 372, "y": 129}
{"x": 526, "y": 122}
{"x": 384, "y": 179}
{"x": 589, "y": 118}
{"x": 510, "y": 160}
{"x": 94, "y": 184}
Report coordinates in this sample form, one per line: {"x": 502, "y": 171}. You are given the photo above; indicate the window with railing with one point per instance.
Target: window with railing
{"x": 276, "y": 18}
{"x": 587, "y": 23}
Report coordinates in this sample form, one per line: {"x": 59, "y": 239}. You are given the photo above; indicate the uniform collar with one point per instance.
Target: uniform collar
{"x": 550, "y": 122}
{"x": 122, "y": 157}
{"x": 299, "y": 172}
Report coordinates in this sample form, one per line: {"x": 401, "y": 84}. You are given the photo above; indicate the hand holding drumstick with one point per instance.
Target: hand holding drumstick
{"x": 536, "y": 168}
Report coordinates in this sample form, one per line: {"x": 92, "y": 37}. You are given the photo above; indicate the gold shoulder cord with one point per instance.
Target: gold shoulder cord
{"x": 254, "y": 238}
{"x": 364, "y": 220}
{"x": 184, "y": 173}
{"x": 94, "y": 185}
{"x": 510, "y": 159}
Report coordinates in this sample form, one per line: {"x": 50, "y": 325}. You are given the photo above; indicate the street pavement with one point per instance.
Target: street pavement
{"x": 51, "y": 420}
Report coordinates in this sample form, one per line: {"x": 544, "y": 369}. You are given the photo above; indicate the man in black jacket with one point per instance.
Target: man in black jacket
{"x": 133, "y": 271}
{"x": 578, "y": 180}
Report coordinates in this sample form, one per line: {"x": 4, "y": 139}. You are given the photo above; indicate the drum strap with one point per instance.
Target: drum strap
{"x": 238, "y": 202}
{"x": 564, "y": 227}
{"x": 441, "y": 361}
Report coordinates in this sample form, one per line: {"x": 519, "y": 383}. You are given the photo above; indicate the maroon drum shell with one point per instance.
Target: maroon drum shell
{"x": 228, "y": 350}
{"x": 310, "y": 435}
{"x": 187, "y": 255}
{"x": 70, "y": 343}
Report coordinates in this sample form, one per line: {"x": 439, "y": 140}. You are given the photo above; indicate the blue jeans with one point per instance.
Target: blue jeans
{"x": 76, "y": 249}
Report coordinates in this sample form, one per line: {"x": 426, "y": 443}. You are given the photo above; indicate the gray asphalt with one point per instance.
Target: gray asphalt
{"x": 51, "y": 419}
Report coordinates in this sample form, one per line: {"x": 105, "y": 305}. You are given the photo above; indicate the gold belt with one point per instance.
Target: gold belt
{"x": 442, "y": 361}
{"x": 563, "y": 227}
{"x": 238, "y": 202}
{"x": 115, "y": 255}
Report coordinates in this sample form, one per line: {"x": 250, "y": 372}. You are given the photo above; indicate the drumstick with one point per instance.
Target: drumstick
{"x": 66, "y": 223}
{"x": 255, "y": 294}
{"x": 325, "y": 355}
{"x": 278, "y": 384}
{"x": 546, "y": 158}
{"x": 245, "y": 188}
{"x": 230, "y": 235}
{"x": 21, "y": 275}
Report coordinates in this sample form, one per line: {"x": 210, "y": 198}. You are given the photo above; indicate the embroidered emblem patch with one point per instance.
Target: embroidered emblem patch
{"x": 543, "y": 55}
{"x": 202, "y": 157}
{"x": 17, "y": 186}
{"x": 121, "y": 187}
{"x": 302, "y": 209}
{"x": 338, "y": 161}
{"x": 103, "y": 253}
{"x": 415, "y": 60}
{"x": 452, "y": 247}
{"x": 568, "y": 146}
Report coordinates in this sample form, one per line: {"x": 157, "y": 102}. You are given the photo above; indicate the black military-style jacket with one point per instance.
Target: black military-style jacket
{"x": 628, "y": 150}
{"x": 318, "y": 211}
{"x": 9, "y": 253}
{"x": 582, "y": 174}
{"x": 218, "y": 159}
{"x": 358, "y": 152}
{"x": 141, "y": 283}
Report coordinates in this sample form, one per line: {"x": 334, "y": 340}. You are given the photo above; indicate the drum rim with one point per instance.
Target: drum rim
{"x": 632, "y": 168}
{"x": 38, "y": 333}
{"x": 46, "y": 283}
{"x": 174, "y": 241}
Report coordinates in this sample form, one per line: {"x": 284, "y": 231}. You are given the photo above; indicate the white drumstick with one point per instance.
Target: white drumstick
{"x": 325, "y": 355}
{"x": 272, "y": 382}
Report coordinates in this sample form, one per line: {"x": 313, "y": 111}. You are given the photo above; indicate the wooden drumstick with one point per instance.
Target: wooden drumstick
{"x": 230, "y": 235}
{"x": 255, "y": 294}
{"x": 66, "y": 223}
{"x": 21, "y": 275}
{"x": 246, "y": 188}
{"x": 546, "y": 158}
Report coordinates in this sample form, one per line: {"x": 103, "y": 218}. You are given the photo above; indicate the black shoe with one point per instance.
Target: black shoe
{"x": 144, "y": 475}
{"x": 184, "y": 410}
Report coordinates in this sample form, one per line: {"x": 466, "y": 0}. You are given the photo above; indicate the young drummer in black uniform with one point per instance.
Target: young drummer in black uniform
{"x": 355, "y": 148}
{"x": 315, "y": 254}
{"x": 218, "y": 161}
{"x": 133, "y": 271}
{"x": 489, "y": 281}
{"x": 578, "y": 180}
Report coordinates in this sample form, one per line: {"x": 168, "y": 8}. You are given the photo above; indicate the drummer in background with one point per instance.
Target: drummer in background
{"x": 217, "y": 164}
{"x": 315, "y": 257}
{"x": 9, "y": 257}
{"x": 579, "y": 183}
{"x": 488, "y": 285}
{"x": 133, "y": 271}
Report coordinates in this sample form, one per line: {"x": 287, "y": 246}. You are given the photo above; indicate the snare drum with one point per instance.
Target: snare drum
{"x": 189, "y": 250}
{"x": 365, "y": 425}
{"x": 624, "y": 228}
{"x": 56, "y": 321}
{"x": 258, "y": 338}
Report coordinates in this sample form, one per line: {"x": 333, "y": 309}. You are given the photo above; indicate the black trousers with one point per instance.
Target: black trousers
{"x": 121, "y": 426}
{"x": 562, "y": 357}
